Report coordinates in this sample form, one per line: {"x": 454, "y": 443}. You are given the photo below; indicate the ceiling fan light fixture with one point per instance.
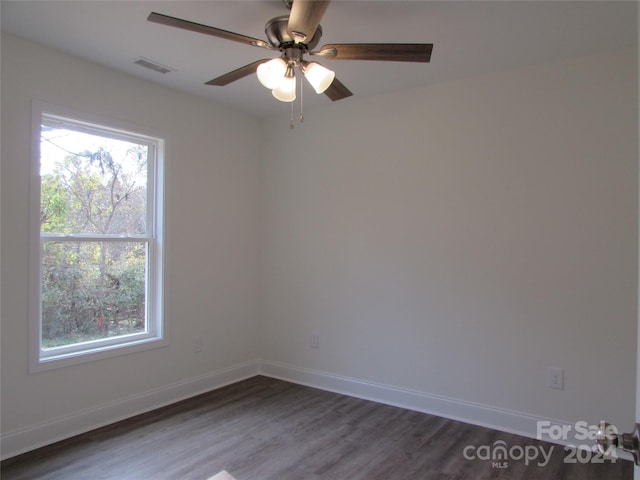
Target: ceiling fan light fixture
{"x": 286, "y": 90}
{"x": 318, "y": 76}
{"x": 271, "y": 73}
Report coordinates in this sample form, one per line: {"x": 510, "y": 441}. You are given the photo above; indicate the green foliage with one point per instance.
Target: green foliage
{"x": 54, "y": 205}
{"x": 93, "y": 289}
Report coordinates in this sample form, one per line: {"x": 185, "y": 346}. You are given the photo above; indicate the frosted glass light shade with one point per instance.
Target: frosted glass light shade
{"x": 271, "y": 73}
{"x": 318, "y": 76}
{"x": 286, "y": 90}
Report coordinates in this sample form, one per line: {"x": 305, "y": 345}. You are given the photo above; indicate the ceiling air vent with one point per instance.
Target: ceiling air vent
{"x": 151, "y": 65}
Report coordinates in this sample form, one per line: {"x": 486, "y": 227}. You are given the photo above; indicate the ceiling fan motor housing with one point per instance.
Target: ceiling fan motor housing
{"x": 278, "y": 36}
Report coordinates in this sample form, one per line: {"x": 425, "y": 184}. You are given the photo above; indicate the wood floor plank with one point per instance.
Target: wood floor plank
{"x": 264, "y": 429}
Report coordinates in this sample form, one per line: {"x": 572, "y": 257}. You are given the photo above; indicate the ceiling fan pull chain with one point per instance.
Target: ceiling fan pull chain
{"x": 301, "y": 102}
{"x": 291, "y": 125}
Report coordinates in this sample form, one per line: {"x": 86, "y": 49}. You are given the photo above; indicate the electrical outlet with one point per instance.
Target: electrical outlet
{"x": 197, "y": 346}
{"x": 555, "y": 378}
{"x": 315, "y": 340}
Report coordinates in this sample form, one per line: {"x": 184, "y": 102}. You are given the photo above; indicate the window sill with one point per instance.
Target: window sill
{"x": 94, "y": 354}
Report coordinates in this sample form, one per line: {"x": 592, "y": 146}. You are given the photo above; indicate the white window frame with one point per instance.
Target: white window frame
{"x": 41, "y": 359}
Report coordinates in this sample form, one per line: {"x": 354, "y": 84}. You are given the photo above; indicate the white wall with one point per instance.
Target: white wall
{"x": 211, "y": 286}
{"x": 459, "y": 239}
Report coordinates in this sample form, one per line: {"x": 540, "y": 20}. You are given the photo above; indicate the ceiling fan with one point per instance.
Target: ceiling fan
{"x": 294, "y": 36}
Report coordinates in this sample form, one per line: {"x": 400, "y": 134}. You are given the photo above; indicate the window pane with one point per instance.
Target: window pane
{"x": 92, "y": 290}
{"x": 91, "y": 184}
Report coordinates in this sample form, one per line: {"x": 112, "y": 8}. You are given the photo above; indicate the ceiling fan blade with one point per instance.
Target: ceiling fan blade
{"x": 207, "y": 30}
{"x": 305, "y": 17}
{"x": 396, "y": 52}
{"x": 337, "y": 90}
{"x": 237, "y": 74}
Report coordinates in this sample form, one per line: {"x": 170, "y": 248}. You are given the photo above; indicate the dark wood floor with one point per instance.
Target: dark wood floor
{"x": 262, "y": 429}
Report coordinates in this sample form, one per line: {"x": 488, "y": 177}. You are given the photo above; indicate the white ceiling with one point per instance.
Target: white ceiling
{"x": 469, "y": 37}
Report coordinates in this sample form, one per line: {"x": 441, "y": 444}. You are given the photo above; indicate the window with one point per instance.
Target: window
{"x": 97, "y": 218}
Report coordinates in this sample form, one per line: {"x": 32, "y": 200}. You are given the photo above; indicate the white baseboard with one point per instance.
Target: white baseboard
{"x": 45, "y": 433}
{"x": 473, "y": 413}
{"x": 39, "y": 435}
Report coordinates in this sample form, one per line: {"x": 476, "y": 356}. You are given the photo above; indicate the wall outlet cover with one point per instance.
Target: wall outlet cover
{"x": 555, "y": 378}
